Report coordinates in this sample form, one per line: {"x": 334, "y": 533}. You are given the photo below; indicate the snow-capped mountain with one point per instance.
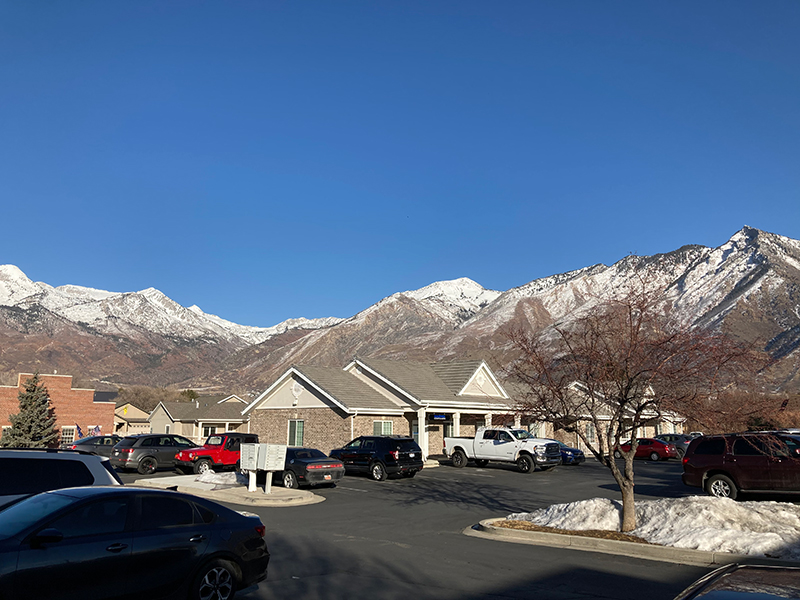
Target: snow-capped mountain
{"x": 748, "y": 287}
{"x": 128, "y": 313}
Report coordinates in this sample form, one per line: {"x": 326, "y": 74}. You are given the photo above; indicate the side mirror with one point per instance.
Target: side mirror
{"x": 47, "y": 536}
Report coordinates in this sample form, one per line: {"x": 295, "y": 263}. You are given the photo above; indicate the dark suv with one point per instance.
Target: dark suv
{"x": 148, "y": 452}
{"x": 381, "y": 456}
{"x": 725, "y": 465}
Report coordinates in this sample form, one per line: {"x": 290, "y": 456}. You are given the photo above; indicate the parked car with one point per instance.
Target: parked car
{"x": 503, "y": 444}
{"x": 310, "y": 466}
{"x": 98, "y": 543}
{"x": 381, "y": 456}
{"x": 221, "y": 451}
{"x": 148, "y": 452}
{"x": 725, "y": 465}
{"x": 681, "y": 441}
{"x": 24, "y": 472}
{"x": 95, "y": 444}
{"x": 650, "y": 448}
{"x": 569, "y": 455}
{"x": 756, "y": 582}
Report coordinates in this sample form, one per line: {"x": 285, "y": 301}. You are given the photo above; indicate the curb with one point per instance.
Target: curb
{"x": 487, "y": 530}
{"x": 279, "y": 497}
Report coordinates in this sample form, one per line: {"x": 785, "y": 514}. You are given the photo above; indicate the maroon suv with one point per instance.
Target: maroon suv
{"x": 725, "y": 465}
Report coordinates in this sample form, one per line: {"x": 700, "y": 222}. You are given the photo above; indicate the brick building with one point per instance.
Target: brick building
{"x": 73, "y": 407}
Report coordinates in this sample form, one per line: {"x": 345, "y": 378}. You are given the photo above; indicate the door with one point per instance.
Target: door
{"x": 169, "y": 541}
{"x": 349, "y": 454}
{"x": 785, "y": 471}
{"x": 365, "y": 454}
{"x": 504, "y": 446}
{"x": 484, "y": 446}
{"x": 750, "y": 463}
{"x": 91, "y": 561}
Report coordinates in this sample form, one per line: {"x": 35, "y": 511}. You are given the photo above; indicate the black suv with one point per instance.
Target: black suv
{"x": 724, "y": 465}
{"x": 148, "y": 452}
{"x": 381, "y": 456}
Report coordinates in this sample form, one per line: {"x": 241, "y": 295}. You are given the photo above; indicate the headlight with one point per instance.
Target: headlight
{"x": 568, "y": 453}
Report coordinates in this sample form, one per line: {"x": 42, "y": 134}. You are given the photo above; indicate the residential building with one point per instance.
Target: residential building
{"x": 200, "y": 418}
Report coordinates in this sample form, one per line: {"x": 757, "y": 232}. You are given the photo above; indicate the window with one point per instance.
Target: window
{"x": 354, "y": 444}
{"x": 166, "y": 428}
{"x": 182, "y": 441}
{"x": 35, "y": 475}
{"x": 209, "y": 430}
{"x": 448, "y": 429}
{"x": 382, "y": 427}
{"x": 504, "y": 437}
{"x": 67, "y": 434}
{"x": 159, "y": 512}
{"x": 295, "y": 432}
{"x": 147, "y": 442}
{"x": 591, "y": 433}
{"x": 490, "y": 434}
{"x": 534, "y": 429}
{"x": 95, "y": 518}
{"x": 368, "y": 445}
{"x": 714, "y": 446}
{"x": 231, "y": 427}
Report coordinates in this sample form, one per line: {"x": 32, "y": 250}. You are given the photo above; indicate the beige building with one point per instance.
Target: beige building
{"x": 199, "y": 418}
{"x": 130, "y": 420}
{"x": 325, "y": 407}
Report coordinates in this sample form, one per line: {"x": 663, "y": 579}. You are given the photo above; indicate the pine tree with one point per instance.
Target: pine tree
{"x": 34, "y": 425}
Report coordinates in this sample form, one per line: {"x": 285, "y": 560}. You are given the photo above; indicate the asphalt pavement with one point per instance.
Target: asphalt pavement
{"x": 402, "y": 538}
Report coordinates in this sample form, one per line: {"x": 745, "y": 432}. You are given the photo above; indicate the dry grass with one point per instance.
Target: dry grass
{"x": 591, "y": 533}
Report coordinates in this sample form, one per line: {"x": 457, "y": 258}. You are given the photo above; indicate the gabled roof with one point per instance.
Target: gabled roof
{"x": 352, "y": 393}
{"x": 424, "y": 384}
{"x": 202, "y": 410}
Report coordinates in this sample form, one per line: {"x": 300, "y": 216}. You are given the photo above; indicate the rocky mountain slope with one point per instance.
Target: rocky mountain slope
{"x": 749, "y": 287}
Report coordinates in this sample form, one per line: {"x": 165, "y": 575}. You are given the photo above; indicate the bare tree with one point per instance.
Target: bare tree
{"x": 620, "y": 365}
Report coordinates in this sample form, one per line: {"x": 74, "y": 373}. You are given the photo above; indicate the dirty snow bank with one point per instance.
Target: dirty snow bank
{"x": 698, "y": 522}
{"x": 230, "y": 478}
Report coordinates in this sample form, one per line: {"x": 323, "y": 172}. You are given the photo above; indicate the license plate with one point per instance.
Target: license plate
{"x": 326, "y": 477}
{"x": 411, "y": 455}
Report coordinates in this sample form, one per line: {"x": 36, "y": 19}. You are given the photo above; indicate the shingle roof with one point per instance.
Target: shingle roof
{"x": 423, "y": 382}
{"x": 456, "y": 374}
{"x": 205, "y": 408}
{"x": 349, "y": 391}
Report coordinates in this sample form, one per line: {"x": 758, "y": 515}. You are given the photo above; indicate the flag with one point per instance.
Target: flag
{"x": 80, "y": 433}
{"x": 95, "y": 431}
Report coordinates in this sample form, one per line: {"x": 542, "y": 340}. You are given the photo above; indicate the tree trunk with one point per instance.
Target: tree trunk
{"x": 628, "y": 507}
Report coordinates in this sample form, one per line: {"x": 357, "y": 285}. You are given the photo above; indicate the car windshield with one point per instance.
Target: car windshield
{"x": 521, "y": 434}
{"x": 214, "y": 440}
{"x": 18, "y": 517}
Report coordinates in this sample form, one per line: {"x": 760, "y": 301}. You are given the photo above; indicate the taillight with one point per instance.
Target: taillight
{"x": 685, "y": 460}
{"x": 324, "y": 466}
{"x": 395, "y": 454}
{"x": 126, "y": 450}
{"x": 260, "y": 529}
{"x": 73, "y": 447}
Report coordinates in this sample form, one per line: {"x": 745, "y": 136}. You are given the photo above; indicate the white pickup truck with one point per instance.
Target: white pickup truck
{"x": 503, "y": 444}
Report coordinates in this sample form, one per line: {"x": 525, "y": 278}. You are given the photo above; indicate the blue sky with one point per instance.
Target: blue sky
{"x": 267, "y": 160}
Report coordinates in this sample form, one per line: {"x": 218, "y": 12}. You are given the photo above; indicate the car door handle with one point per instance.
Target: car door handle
{"x": 117, "y": 547}
{"x": 197, "y": 538}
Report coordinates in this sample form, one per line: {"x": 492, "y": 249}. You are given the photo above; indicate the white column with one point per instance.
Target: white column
{"x": 456, "y": 424}
{"x": 487, "y": 420}
{"x": 422, "y": 418}
{"x": 517, "y": 421}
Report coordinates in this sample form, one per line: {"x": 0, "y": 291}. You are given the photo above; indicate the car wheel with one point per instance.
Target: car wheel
{"x": 721, "y": 486}
{"x": 202, "y": 466}
{"x": 215, "y": 581}
{"x": 459, "y": 459}
{"x": 290, "y": 480}
{"x": 147, "y": 466}
{"x": 655, "y": 456}
{"x": 525, "y": 464}
{"x": 617, "y": 454}
{"x": 482, "y": 462}
{"x": 377, "y": 471}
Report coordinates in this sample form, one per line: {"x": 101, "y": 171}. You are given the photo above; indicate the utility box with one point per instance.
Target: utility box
{"x": 271, "y": 457}
{"x": 248, "y": 458}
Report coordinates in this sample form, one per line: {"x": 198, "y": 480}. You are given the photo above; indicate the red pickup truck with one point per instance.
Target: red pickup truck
{"x": 221, "y": 451}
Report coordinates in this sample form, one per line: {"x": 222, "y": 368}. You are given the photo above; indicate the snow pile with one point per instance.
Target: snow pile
{"x": 697, "y": 522}
{"x": 230, "y": 478}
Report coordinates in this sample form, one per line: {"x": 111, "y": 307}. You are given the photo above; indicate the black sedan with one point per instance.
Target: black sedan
{"x": 95, "y": 444}
{"x": 311, "y": 467}
{"x": 103, "y": 542}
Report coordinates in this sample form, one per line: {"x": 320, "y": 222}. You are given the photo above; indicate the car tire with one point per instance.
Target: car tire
{"x": 655, "y": 456}
{"x": 459, "y": 459}
{"x": 481, "y": 462}
{"x": 525, "y": 463}
{"x": 617, "y": 454}
{"x": 217, "y": 580}
{"x": 147, "y": 466}
{"x": 377, "y": 471}
{"x": 202, "y": 466}
{"x": 290, "y": 480}
{"x": 721, "y": 486}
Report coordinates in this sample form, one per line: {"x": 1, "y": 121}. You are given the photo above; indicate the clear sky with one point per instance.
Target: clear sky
{"x": 275, "y": 159}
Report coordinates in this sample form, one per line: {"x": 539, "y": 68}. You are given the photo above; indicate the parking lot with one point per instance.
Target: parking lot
{"x": 402, "y": 538}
